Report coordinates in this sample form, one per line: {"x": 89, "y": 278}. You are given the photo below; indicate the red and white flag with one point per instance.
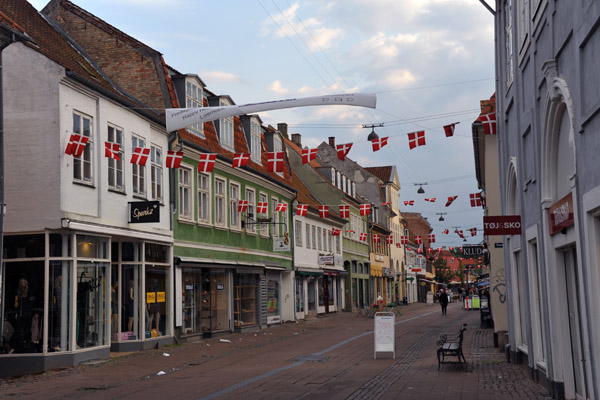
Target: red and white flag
{"x": 365, "y": 209}
{"x": 261, "y": 208}
{"x": 418, "y": 239}
{"x": 409, "y": 202}
{"x": 389, "y": 239}
{"x": 335, "y": 231}
{"x": 281, "y": 207}
{"x": 206, "y": 163}
{"x": 459, "y": 232}
{"x": 344, "y": 211}
{"x": 404, "y": 239}
{"x": 449, "y": 129}
{"x": 431, "y": 238}
{"x": 451, "y": 248}
{"x": 398, "y": 245}
{"x": 445, "y": 232}
{"x": 429, "y": 250}
{"x": 242, "y": 205}
{"x": 475, "y": 199}
{"x": 379, "y": 143}
{"x": 450, "y": 200}
{"x": 324, "y": 211}
{"x": 111, "y": 150}
{"x": 489, "y": 123}
{"x": 416, "y": 139}
{"x": 76, "y": 145}
{"x": 240, "y": 160}
{"x": 140, "y": 156}
{"x": 431, "y": 200}
{"x": 308, "y": 155}
{"x": 302, "y": 210}
{"x": 376, "y": 237}
{"x": 342, "y": 150}
{"x": 363, "y": 237}
{"x": 275, "y": 161}
{"x": 473, "y": 231}
{"x": 387, "y": 203}
{"x": 174, "y": 158}
{"x": 349, "y": 230}
{"x": 452, "y": 259}
{"x": 419, "y": 250}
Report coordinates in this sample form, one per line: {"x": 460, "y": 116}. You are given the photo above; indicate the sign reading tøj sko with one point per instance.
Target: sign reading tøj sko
{"x": 144, "y": 212}
{"x": 502, "y": 225}
{"x": 560, "y": 214}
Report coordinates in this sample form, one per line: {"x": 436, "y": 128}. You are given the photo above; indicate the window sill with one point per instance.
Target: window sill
{"x": 84, "y": 183}
{"x": 204, "y": 224}
{"x": 117, "y": 191}
{"x": 183, "y": 220}
{"x": 221, "y": 227}
{"x": 140, "y": 196}
{"x": 235, "y": 229}
{"x": 249, "y": 233}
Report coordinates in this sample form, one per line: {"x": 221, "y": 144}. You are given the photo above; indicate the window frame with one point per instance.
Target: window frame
{"x": 251, "y": 210}
{"x": 226, "y": 129}
{"x": 275, "y": 230}
{"x": 223, "y": 198}
{"x": 278, "y": 147}
{"x": 189, "y": 217}
{"x": 298, "y": 233}
{"x": 156, "y": 171}
{"x": 234, "y": 215}
{"x": 117, "y": 167}
{"x": 87, "y": 157}
{"x": 207, "y": 192}
{"x": 194, "y": 101}
{"x": 255, "y": 141}
{"x": 138, "y": 172}
{"x": 264, "y": 228}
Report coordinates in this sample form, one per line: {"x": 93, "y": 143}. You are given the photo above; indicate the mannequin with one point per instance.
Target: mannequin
{"x": 129, "y": 305}
{"x": 153, "y": 308}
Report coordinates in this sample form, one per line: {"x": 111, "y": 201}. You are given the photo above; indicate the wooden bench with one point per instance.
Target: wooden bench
{"x": 451, "y": 347}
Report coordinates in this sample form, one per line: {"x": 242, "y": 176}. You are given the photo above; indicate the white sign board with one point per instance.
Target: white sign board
{"x": 279, "y": 244}
{"x": 429, "y": 298}
{"x": 385, "y": 340}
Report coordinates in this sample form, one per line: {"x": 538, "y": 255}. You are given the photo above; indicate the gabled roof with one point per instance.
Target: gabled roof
{"x": 383, "y": 173}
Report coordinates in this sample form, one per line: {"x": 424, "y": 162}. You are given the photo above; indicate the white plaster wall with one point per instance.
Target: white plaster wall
{"x": 307, "y": 257}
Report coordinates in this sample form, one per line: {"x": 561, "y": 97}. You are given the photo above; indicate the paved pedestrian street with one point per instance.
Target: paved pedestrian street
{"x": 323, "y": 358}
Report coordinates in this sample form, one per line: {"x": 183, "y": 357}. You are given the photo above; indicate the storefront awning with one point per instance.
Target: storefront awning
{"x": 335, "y": 271}
{"x": 428, "y": 281}
{"x": 309, "y": 272}
{"x": 273, "y": 265}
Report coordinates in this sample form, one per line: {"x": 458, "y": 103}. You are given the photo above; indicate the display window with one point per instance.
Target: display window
{"x": 93, "y": 296}
{"x": 215, "y": 301}
{"x": 131, "y": 300}
{"x": 59, "y": 308}
{"x": 244, "y": 297}
{"x": 299, "y": 294}
{"x": 192, "y": 300}
{"x": 273, "y": 298}
{"x": 157, "y": 286}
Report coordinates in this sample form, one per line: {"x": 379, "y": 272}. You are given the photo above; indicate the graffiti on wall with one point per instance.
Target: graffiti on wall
{"x": 499, "y": 285}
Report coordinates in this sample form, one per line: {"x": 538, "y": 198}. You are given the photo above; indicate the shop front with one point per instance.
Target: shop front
{"x": 377, "y": 282}
{"x": 307, "y": 291}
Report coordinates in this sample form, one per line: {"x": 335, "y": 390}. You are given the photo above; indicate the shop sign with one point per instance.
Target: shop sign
{"x": 338, "y": 260}
{"x": 498, "y": 245}
{"x": 141, "y": 212}
{"x": 325, "y": 260}
{"x": 416, "y": 270}
{"x": 473, "y": 251}
{"x": 560, "y": 214}
{"x": 502, "y": 225}
{"x": 281, "y": 244}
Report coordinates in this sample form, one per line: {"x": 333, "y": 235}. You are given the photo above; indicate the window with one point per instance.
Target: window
{"x": 138, "y": 172}
{"x": 338, "y": 180}
{"x": 204, "y": 198}
{"x": 82, "y": 166}
{"x": 307, "y": 236}
{"x": 226, "y": 129}
{"x": 314, "y": 237}
{"x": 277, "y": 147}
{"x": 156, "y": 172}
{"x": 251, "y": 213}
{"x": 324, "y": 239}
{"x": 220, "y": 216}
{"x": 338, "y": 244}
{"x": 275, "y": 230}
{"x": 508, "y": 39}
{"x": 330, "y": 241}
{"x": 320, "y": 239}
{"x": 185, "y": 192}
{"x": 115, "y": 168}
{"x": 234, "y": 197}
{"x": 523, "y": 20}
{"x": 194, "y": 99}
{"x": 255, "y": 141}
{"x": 264, "y": 228}
{"x": 298, "y": 233}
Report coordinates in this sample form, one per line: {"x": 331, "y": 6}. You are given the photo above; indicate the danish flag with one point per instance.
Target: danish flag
{"x": 389, "y": 239}
{"x": 409, "y": 202}
{"x": 449, "y": 129}
{"x": 379, "y": 143}
{"x": 404, "y": 239}
{"x": 460, "y": 234}
{"x": 206, "y": 162}
{"x": 335, "y": 232}
{"x": 450, "y": 200}
{"x": 429, "y": 250}
{"x": 301, "y": 210}
{"x": 363, "y": 237}
{"x": 275, "y": 161}
{"x": 418, "y": 239}
{"x": 451, "y": 248}
{"x": 140, "y": 156}
{"x": 416, "y": 139}
{"x": 475, "y": 199}
{"x": 111, "y": 150}
{"x": 431, "y": 200}
{"x": 261, "y": 208}
{"x": 365, "y": 209}
{"x": 281, "y": 207}
{"x": 489, "y": 123}
{"x": 398, "y": 245}
{"x": 349, "y": 230}
{"x": 376, "y": 237}
{"x": 174, "y": 158}
{"x": 324, "y": 211}
{"x": 344, "y": 211}
{"x": 242, "y": 205}
{"x": 419, "y": 250}
{"x": 308, "y": 155}
{"x": 473, "y": 231}
{"x": 240, "y": 160}
{"x": 342, "y": 150}
{"x": 386, "y": 204}
{"x": 431, "y": 238}
{"x": 445, "y": 232}
{"x": 76, "y": 145}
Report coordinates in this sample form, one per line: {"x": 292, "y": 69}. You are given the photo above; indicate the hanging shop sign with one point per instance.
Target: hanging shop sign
{"x": 473, "y": 251}
{"x": 502, "y": 225}
{"x": 560, "y": 214}
{"x": 281, "y": 244}
{"x": 144, "y": 212}
{"x": 326, "y": 260}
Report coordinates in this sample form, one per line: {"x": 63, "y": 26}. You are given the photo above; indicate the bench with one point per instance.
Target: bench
{"x": 451, "y": 347}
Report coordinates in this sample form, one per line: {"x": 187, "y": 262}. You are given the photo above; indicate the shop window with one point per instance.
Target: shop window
{"x": 157, "y": 287}
{"x": 156, "y": 253}
{"x": 131, "y": 299}
{"x": 192, "y": 300}
{"x": 215, "y": 302}
{"x": 299, "y": 294}
{"x": 244, "y": 297}
{"x": 23, "y": 246}
{"x": 311, "y": 281}
{"x": 93, "y": 298}
{"x": 92, "y": 247}
{"x": 59, "y": 306}
{"x": 132, "y": 251}
{"x": 273, "y": 294}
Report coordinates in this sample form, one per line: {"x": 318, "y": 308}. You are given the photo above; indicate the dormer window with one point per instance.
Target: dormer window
{"x": 226, "y": 129}
{"x": 277, "y": 147}
{"x": 194, "y": 96}
{"x": 255, "y": 141}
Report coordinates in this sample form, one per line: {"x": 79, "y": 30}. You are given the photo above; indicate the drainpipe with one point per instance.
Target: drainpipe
{"x": 1, "y": 194}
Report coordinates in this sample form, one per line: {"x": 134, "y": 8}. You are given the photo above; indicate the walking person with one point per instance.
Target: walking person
{"x": 444, "y": 301}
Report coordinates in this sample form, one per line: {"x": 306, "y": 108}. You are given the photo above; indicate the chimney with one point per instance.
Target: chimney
{"x": 296, "y": 138}
{"x": 282, "y": 127}
{"x": 332, "y": 141}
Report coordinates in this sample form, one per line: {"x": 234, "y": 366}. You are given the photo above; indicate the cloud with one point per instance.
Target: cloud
{"x": 278, "y": 88}
{"x": 399, "y": 78}
{"x": 219, "y": 76}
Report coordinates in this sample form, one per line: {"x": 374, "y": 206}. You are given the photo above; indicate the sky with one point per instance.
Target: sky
{"x": 430, "y": 62}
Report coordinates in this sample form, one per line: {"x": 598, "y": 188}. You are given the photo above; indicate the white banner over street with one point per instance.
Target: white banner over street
{"x": 178, "y": 118}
